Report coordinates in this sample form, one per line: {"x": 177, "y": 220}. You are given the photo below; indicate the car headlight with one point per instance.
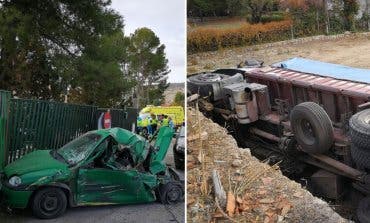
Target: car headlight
{"x": 15, "y": 181}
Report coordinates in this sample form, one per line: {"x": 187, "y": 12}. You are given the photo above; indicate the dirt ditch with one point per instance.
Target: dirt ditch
{"x": 256, "y": 192}
{"x": 266, "y": 194}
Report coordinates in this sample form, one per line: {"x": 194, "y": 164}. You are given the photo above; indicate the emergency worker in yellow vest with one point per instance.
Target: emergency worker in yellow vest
{"x": 154, "y": 122}
{"x": 165, "y": 121}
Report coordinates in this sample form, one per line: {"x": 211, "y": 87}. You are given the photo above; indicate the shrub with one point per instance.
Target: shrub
{"x": 207, "y": 39}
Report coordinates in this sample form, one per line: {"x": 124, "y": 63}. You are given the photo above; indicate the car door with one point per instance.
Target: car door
{"x": 161, "y": 146}
{"x": 105, "y": 185}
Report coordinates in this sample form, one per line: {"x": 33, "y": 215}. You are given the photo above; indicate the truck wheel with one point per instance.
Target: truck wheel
{"x": 49, "y": 203}
{"x": 312, "y": 127}
{"x": 360, "y": 156}
{"x": 359, "y": 126}
{"x": 210, "y": 84}
{"x": 363, "y": 210}
{"x": 171, "y": 193}
{"x": 179, "y": 163}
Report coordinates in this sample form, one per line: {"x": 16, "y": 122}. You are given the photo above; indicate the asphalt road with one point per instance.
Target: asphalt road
{"x": 151, "y": 212}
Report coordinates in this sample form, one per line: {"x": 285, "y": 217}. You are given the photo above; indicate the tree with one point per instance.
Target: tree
{"x": 50, "y": 48}
{"x": 200, "y": 7}
{"x": 234, "y": 7}
{"x": 204, "y": 8}
{"x": 179, "y": 99}
{"x": 101, "y": 80}
{"x": 350, "y": 9}
{"x": 258, "y": 8}
{"x": 156, "y": 94}
{"x": 147, "y": 63}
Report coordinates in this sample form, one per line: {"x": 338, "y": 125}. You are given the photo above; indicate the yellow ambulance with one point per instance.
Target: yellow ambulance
{"x": 175, "y": 112}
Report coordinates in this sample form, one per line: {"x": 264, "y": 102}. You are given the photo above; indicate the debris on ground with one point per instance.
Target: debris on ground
{"x": 226, "y": 183}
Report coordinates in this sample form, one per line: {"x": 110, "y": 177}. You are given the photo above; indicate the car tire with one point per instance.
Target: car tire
{"x": 171, "y": 193}
{"x": 312, "y": 128}
{"x": 179, "y": 163}
{"x": 363, "y": 210}
{"x": 359, "y": 126}
{"x": 144, "y": 132}
{"x": 49, "y": 203}
{"x": 360, "y": 156}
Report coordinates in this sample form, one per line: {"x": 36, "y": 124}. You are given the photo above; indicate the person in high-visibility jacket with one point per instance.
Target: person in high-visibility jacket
{"x": 154, "y": 122}
{"x": 165, "y": 121}
{"x": 170, "y": 123}
{"x": 139, "y": 124}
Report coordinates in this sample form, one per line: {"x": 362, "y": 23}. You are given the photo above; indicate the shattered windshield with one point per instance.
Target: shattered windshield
{"x": 77, "y": 150}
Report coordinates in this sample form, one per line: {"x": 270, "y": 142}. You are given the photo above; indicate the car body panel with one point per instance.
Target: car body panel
{"x": 161, "y": 146}
{"x": 180, "y": 141}
{"x": 15, "y": 198}
{"x": 93, "y": 185}
{"x": 139, "y": 146}
{"x": 105, "y": 186}
{"x": 34, "y": 162}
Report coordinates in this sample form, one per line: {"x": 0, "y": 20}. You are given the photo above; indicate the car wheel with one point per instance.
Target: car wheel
{"x": 359, "y": 125}
{"x": 171, "y": 193}
{"x": 144, "y": 132}
{"x": 312, "y": 127}
{"x": 179, "y": 163}
{"x": 363, "y": 210}
{"x": 49, "y": 203}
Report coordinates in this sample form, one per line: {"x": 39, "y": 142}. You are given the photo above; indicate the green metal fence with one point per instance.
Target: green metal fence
{"x": 4, "y": 112}
{"x": 35, "y": 124}
{"x": 26, "y": 125}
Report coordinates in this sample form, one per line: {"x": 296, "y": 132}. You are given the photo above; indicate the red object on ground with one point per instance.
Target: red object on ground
{"x": 107, "y": 120}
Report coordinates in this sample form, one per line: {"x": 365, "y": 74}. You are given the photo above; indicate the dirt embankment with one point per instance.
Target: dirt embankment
{"x": 171, "y": 91}
{"x": 256, "y": 191}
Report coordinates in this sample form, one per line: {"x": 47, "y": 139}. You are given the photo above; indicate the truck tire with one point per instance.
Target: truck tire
{"x": 360, "y": 156}
{"x": 363, "y": 210}
{"x": 210, "y": 84}
{"x": 312, "y": 128}
{"x": 359, "y": 129}
{"x": 49, "y": 202}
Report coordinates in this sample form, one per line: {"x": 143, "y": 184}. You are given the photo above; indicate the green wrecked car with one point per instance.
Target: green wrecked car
{"x": 102, "y": 167}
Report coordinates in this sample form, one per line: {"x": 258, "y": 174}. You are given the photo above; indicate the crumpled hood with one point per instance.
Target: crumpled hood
{"x": 32, "y": 162}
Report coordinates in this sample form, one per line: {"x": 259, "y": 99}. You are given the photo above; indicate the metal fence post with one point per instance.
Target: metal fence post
{"x": 4, "y": 117}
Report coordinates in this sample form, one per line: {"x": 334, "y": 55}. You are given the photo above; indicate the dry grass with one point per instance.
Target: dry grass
{"x": 208, "y": 38}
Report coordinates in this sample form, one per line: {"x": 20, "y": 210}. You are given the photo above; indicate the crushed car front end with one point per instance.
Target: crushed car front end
{"x": 12, "y": 196}
{"x": 23, "y": 176}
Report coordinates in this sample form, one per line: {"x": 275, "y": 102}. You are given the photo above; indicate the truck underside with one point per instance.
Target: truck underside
{"x": 316, "y": 127}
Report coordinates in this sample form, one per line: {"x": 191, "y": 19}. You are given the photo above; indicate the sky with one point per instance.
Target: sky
{"x": 167, "y": 19}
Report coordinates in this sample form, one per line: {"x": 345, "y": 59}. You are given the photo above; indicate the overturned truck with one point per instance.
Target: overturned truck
{"x": 311, "y": 117}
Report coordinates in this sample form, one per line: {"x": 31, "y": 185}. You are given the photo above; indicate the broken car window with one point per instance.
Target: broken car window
{"x": 76, "y": 150}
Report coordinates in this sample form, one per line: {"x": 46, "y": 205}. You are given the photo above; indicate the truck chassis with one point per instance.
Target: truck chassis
{"x": 304, "y": 121}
